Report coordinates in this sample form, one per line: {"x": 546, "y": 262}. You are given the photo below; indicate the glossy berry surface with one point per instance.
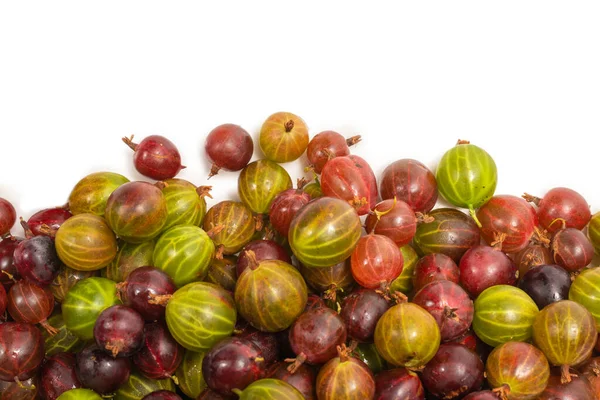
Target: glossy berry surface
{"x": 561, "y": 208}
{"x": 263, "y": 250}
{"x": 376, "y": 261}
{"x": 546, "y": 284}
{"x": 303, "y": 378}
{"x": 8, "y": 216}
{"x": 143, "y": 285}
{"x": 360, "y": 311}
{"x": 283, "y": 137}
{"x": 155, "y": 157}
{"x": 359, "y": 380}
{"x": 412, "y": 182}
{"x": 327, "y": 145}
{"x": 571, "y": 249}
{"x": 394, "y": 219}
{"x": 228, "y": 147}
{"x": 36, "y": 260}
{"x": 160, "y": 354}
{"x": 260, "y": 182}
{"x": 162, "y": 395}
{"x": 30, "y": 303}
{"x": 7, "y": 265}
{"x": 434, "y": 267}
{"x": 398, "y": 383}
{"x": 119, "y": 330}
{"x": 58, "y": 375}
{"x": 482, "y": 267}
{"x": 101, "y": 372}
{"x": 21, "y": 351}
{"x": 285, "y": 206}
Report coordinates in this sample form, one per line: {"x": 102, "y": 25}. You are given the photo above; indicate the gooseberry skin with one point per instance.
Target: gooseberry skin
{"x": 36, "y": 260}
{"x": 376, "y": 261}
{"x": 263, "y": 250}
{"x": 237, "y": 222}
{"x": 233, "y": 363}
{"x": 329, "y": 280}
{"x": 85, "y": 242}
{"x": 160, "y": 355}
{"x": 562, "y": 204}
{"x": 138, "y": 386}
{"x": 63, "y": 341}
{"x": 594, "y": 231}
{"x": 155, "y": 157}
{"x": 519, "y": 368}
{"x": 119, "y": 330}
{"x": 504, "y": 314}
{"x": 546, "y": 284}
{"x": 162, "y": 395}
{"x": 8, "y": 216}
{"x": 79, "y": 394}
{"x": 359, "y": 382}
{"x": 136, "y": 211}
{"x": 66, "y": 279}
{"x": 398, "y": 383}
{"x": 268, "y": 343}
{"x": 21, "y": 351}
{"x": 223, "y": 272}
{"x": 189, "y": 374}
{"x": 84, "y": 303}
{"x": 481, "y": 395}
{"x": 130, "y": 256}
{"x": 228, "y": 147}
{"x": 30, "y": 303}
{"x": 313, "y": 189}
{"x": 266, "y": 388}
{"x": 303, "y": 378}
{"x": 412, "y": 182}
{"x": 434, "y": 267}
{"x": 451, "y": 233}
{"x": 199, "y": 315}
{"x": 578, "y": 389}
{"x": 532, "y": 256}
{"x": 283, "y": 137}
{"x": 260, "y": 182}
{"x": 351, "y": 179}
{"x": 285, "y": 206}
{"x": 467, "y": 176}
{"x": 571, "y": 249}
{"x": 360, "y": 311}
{"x": 271, "y": 296}
{"x": 144, "y": 284}
{"x": 454, "y": 371}
{"x": 482, "y": 267}
{"x": 23, "y": 390}
{"x": 101, "y": 372}
{"x": 327, "y": 145}
{"x": 324, "y": 223}
{"x": 404, "y": 283}
{"x": 399, "y": 222}
{"x": 450, "y": 305}
{"x": 510, "y": 216}
{"x": 566, "y": 332}
{"x": 51, "y": 218}
{"x": 3, "y": 300}
{"x": 184, "y": 252}
{"x": 58, "y": 375}
{"x": 186, "y": 204}
{"x": 585, "y": 291}
{"x": 91, "y": 193}
{"x": 7, "y": 250}
{"x": 315, "y": 335}
{"x": 406, "y": 335}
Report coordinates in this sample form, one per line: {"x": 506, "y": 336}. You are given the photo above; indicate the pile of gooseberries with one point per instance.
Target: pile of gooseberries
{"x": 344, "y": 287}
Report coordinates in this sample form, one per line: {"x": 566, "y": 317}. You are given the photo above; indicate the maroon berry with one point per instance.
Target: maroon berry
{"x": 8, "y": 270}
{"x": 119, "y": 330}
{"x": 303, "y": 378}
{"x": 263, "y": 250}
{"x": 483, "y": 266}
{"x": 561, "y": 208}
{"x": 46, "y": 222}
{"x": 412, "y": 182}
{"x": 155, "y": 157}
{"x": 142, "y": 290}
{"x": 233, "y": 363}
{"x": 327, "y": 145}
{"x": 469, "y": 339}
{"x": 578, "y": 388}
{"x": 531, "y": 256}
{"x": 450, "y": 305}
{"x": 285, "y": 206}
{"x": 36, "y": 260}
{"x": 21, "y": 351}
{"x": 394, "y": 219}
{"x": 59, "y": 375}
{"x": 482, "y": 395}
{"x": 361, "y": 311}
{"x": 8, "y": 216}
{"x": 162, "y": 395}
{"x": 208, "y": 394}
{"x": 160, "y": 355}
{"x": 267, "y": 342}
{"x": 571, "y": 249}
{"x": 398, "y": 383}
{"x": 228, "y": 147}
{"x": 101, "y": 372}
{"x": 454, "y": 371}
{"x": 30, "y": 303}
{"x": 434, "y": 267}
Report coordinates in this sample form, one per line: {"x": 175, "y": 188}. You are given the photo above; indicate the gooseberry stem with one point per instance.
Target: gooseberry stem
{"x": 214, "y": 170}
{"x": 295, "y": 362}
{"x": 473, "y": 213}
{"x": 129, "y": 142}
{"x": 161, "y": 299}
{"x": 351, "y": 141}
{"x": 204, "y": 191}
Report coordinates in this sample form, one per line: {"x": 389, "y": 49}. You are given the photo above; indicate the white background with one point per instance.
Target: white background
{"x": 518, "y": 78}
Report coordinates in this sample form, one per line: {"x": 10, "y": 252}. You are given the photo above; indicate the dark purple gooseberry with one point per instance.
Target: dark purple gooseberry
{"x": 228, "y": 147}
{"x": 412, "y": 182}
{"x": 8, "y": 270}
{"x": 450, "y": 305}
{"x": 578, "y": 389}
{"x": 286, "y": 205}
{"x": 155, "y": 157}
{"x": 267, "y": 342}
{"x": 3, "y": 300}
{"x": 162, "y": 395}
{"x": 482, "y": 267}
{"x": 30, "y": 303}
{"x": 46, "y": 222}
{"x": 398, "y": 383}
{"x": 454, "y": 371}
{"x": 101, "y": 372}
{"x": 434, "y": 267}
{"x": 21, "y": 351}
{"x": 59, "y": 375}
{"x": 482, "y": 395}
{"x": 8, "y": 216}
{"x": 160, "y": 355}
{"x": 36, "y": 260}
{"x": 572, "y": 249}
{"x": 263, "y": 250}
{"x": 546, "y": 284}
{"x": 142, "y": 290}
{"x": 302, "y": 379}
{"x": 360, "y": 311}
{"x": 233, "y": 363}
{"x": 315, "y": 336}
{"x": 119, "y": 330}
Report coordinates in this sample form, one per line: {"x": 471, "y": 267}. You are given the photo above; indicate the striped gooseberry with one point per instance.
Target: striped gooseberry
{"x": 286, "y": 205}
{"x": 119, "y": 330}
{"x": 46, "y": 222}
{"x": 571, "y": 249}
{"x": 223, "y": 272}
{"x": 62, "y": 341}
{"x": 360, "y": 311}
{"x": 155, "y": 157}
{"x": 324, "y": 223}
{"x": 326, "y": 145}
{"x": 189, "y": 374}
{"x": 130, "y": 256}
{"x": 376, "y": 261}
{"x": 404, "y": 282}
{"x": 561, "y": 208}
{"x": 594, "y": 231}
{"x": 412, "y": 182}
{"x": 186, "y": 203}
{"x": 267, "y": 388}
{"x": 303, "y": 378}
{"x": 434, "y": 267}
{"x": 21, "y": 351}
{"x": 160, "y": 355}
{"x": 30, "y": 303}
{"x": 585, "y": 290}
{"x": 91, "y": 193}
{"x": 58, "y": 374}
{"x": 398, "y": 383}
{"x": 467, "y": 176}
{"x": 503, "y": 314}
{"x": 8, "y": 216}
{"x": 66, "y": 279}
{"x": 79, "y": 394}
{"x": 533, "y": 255}
{"x": 141, "y": 289}
{"x": 260, "y": 182}
{"x": 138, "y": 386}
{"x": 263, "y": 250}
{"x": 228, "y": 147}
{"x": 329, "y": 280}
{"x": 237, "y": 222}
{"x": 394, "y": 219}
{"x": 283, "y": 137}
{"x": 483, "y": 266}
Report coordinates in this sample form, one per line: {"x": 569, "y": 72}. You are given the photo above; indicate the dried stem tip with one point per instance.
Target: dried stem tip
{"x": 351, "y": 141}
{"x": 289, "y": 126}
{"x": 129, "y": 142}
